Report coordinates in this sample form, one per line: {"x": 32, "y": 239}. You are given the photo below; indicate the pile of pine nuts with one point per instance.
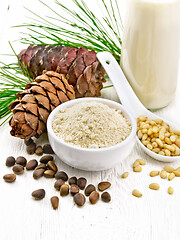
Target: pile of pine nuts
{"x": 158, "y": 136}
{"x": 163, "y": 174}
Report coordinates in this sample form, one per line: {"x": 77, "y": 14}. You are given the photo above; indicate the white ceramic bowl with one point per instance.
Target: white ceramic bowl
{"x": 91, "y": 159}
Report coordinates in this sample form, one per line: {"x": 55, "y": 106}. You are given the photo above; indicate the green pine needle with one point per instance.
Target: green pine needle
{"x": 80, "y": 28}
{"x": 12, "y": 80}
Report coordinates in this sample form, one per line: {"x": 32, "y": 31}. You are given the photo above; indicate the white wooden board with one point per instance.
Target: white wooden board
{"x": 155, "y": 216}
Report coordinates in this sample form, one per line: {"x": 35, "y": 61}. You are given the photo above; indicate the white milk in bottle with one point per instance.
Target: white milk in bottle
{"x": 150, "y": 50}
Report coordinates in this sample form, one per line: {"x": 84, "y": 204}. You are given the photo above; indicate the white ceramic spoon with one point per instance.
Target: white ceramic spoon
{"x": 130, "y": 100}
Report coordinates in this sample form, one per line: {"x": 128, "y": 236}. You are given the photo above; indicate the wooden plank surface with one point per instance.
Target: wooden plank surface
{"x": 155, "y": 216}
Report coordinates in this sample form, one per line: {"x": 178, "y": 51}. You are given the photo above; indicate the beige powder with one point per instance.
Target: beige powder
{"x": 91, "y": 125}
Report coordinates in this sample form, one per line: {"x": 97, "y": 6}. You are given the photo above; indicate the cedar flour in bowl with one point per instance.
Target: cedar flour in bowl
{"x": 91, "y": 125}
{"x": 91, "y": 133}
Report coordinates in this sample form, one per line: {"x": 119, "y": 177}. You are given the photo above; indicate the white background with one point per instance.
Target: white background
{"x": 154, "y": 216}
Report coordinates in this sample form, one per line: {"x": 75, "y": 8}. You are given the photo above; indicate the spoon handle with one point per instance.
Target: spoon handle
{"x": 124, "y": 91}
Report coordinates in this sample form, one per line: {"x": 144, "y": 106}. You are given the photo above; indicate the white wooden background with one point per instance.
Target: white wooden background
{"x": 154, "y": 216}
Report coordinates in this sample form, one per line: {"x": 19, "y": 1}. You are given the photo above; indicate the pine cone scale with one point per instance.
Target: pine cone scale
{"x": 43, "y": 101}
{"x": 31, "y": 120}
{"x": 63, "y": 96}
{"x": 54, "y": 99}
{"x": 47, "y": 86}
{"x": 43, "y": 114}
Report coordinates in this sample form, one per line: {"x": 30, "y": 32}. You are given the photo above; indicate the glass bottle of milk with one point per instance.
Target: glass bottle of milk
{"x": 150, "y": 50}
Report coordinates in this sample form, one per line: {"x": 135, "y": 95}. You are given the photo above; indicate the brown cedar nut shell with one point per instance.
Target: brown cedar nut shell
{"x": 34, "y": 104}
{"x": 79, "y": 65}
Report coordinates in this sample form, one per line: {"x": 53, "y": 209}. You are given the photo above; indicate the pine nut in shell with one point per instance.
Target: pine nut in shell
{"x": 18, "y": 169}
{"x": 38, "y": 173}
{"x": 94, "y": 197}
{"x": 154, "y": 186}
{"x": 58, "y": 184}
{"x": 79, "y": 199}
{"x": 170, "y": 190}
{"x": 45, "y": 159}
{"x": 89, "y": 189}
{"x": 103, "y": 186}
{"x": 49, "y": 174}
{"x": 21, "y": 161}
{"x": 136, "y": 193}
{"x": 9, "y": 178}
{"x": 10, "y": 161}
{"x": 125, "y": 175}
{"x": 48, "y": 149}
{"x": 32, "y": 164}
{"x": 41, "y": 166}
{"x": 64, "y": 190}
{"x": 106, "y": 197}
{"x": 31, "y": 148}
{"x": 154, "y": 173}
{"x": 81, "y": 182}
{"x": 72, "y": 180}
{"x": 39, "y": 150}
{"x": 28, "y": 142}
{"x": 61, "y": 175}
{"x": 55, "y": 202}
{"x": 52, "y": 166}
{"x": 38, "y": 194}
{"x": 74, "y": 189}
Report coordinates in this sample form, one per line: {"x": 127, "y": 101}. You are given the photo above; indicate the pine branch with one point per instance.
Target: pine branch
{"x": 12, "y": 80}
{"x": 80, "y": 28}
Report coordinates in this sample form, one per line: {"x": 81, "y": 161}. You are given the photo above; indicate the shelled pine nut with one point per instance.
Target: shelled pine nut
{"x": 154, "y": 186}
{"x": 163, "y": 174}
{"x": 137, "y": 169}
{"x": 154, "y": 173}
{"x": 141, "y": 161}
{"x": 135, "y": 164}
{"x": 136, "y": 193}
{"x": 158, "y": 136}
{"x": 170, "y": 190}
{"x": 125, "y": 175}
{"x": 169, "y": 169}
{"x": 177, "y": 173}
{"x": 171, "y": 176}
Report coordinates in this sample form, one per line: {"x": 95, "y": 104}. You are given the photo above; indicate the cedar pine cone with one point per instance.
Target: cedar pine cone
{"x": 34, "y": 104}
{"x": 79, "y": 65}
